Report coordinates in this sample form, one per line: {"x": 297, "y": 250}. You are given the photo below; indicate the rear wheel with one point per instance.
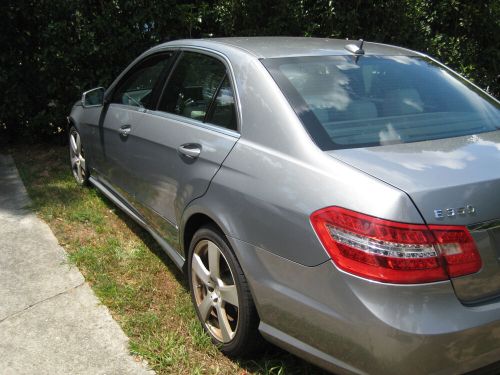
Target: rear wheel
{"x": 77, "y": 157}
{"x": 221, "y": 295}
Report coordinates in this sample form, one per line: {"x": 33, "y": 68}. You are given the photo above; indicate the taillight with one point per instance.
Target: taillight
{"x": 395, "y": 252}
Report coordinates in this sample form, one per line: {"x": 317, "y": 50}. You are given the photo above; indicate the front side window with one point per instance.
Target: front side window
{"x": 137, "y": 86}
{"x": 199, "y": 89}
{"x": 363, "y": 101}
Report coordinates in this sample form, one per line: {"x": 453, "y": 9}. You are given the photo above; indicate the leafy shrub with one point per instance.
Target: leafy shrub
{"x": 54, "y": 50}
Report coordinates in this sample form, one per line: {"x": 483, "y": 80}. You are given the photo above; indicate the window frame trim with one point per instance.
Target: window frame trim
{"x": 211, "y": 107}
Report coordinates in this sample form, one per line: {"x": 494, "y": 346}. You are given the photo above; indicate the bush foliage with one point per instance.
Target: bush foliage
{"x": 52, "y": 50}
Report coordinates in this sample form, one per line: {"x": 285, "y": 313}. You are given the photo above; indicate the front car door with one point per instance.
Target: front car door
{"x": 129, "y": 99}
{"x": 178, "y": 147}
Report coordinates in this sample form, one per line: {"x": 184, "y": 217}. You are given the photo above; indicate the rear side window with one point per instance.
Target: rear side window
{"x": 136, "y": 88}
{"x": 223, "y": 112}
{"x": 200, "y": 89}
{"x": 348, "y": 101}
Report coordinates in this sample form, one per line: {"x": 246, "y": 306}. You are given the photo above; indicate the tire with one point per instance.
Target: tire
{"x": 216, "y": 289}
{"x": 79, "y": 165}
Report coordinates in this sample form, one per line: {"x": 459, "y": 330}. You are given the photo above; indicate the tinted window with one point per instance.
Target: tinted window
{"x": 347, "y": 101}
{"x": 223, "y": 111}
{"x": 137, "y": 86}
{"x": 193, "y": 86}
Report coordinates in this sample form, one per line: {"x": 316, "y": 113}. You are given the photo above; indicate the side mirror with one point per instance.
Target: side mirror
{"x": 93, "y": 98}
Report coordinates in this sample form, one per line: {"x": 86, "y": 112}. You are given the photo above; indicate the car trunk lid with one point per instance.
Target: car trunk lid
{"x": 453, "y": 181}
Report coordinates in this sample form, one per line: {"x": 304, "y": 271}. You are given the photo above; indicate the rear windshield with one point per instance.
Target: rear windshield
{"x": 349, "y": 101}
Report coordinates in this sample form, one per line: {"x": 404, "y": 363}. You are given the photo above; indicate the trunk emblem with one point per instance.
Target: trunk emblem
{"x": 452, "y": 212}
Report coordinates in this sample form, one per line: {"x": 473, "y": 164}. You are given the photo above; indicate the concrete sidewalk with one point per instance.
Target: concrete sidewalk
{"x": 50, "y": 320}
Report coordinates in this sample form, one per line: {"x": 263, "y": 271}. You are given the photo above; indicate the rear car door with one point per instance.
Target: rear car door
{"x": 124, "y": 110}
{"x": 179, "y": 146}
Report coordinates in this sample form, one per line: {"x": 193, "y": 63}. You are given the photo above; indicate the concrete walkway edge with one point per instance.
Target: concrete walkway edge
{"x": 50, "y": 320}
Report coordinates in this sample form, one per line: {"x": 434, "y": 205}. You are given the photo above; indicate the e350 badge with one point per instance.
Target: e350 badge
{"x": 452, "y": 212}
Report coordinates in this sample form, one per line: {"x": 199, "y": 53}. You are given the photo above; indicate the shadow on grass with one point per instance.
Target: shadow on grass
{"x": 273, "y": 360}
{"x": 147, "y": 239}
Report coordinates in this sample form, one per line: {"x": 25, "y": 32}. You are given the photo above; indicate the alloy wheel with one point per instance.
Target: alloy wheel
{"x": 77, "y": 157}
{"x": 215, "y": 291}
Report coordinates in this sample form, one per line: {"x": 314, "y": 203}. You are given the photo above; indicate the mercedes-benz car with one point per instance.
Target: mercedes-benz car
{"x": 340, "y": 199}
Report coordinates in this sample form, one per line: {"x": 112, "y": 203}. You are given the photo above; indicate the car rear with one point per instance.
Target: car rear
{"x": 349, "y": 325}
{"x": 420, "y": 297}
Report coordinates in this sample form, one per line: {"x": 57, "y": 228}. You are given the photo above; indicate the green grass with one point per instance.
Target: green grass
{"x": 130, "y": 274}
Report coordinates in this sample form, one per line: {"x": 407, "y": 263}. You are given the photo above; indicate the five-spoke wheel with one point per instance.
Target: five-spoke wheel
{"x": 221, "y": 295}
{"x": 215, "y": 293}
{"x": 77, "y": 157}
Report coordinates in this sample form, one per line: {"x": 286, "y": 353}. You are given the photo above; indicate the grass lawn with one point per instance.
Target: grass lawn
{"x": 130, "y": 274}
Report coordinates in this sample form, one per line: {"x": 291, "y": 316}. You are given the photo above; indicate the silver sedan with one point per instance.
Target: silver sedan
{"x": 339, "y": 199}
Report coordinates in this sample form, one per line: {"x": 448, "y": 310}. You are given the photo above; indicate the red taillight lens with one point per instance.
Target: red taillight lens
{"x": 395, "y": 252}
{"x": 457, "y": 247}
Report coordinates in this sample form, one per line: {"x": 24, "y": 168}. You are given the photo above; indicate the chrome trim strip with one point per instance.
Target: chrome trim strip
{"x": 190, "y": 121}
{"x": 485, "y": 226}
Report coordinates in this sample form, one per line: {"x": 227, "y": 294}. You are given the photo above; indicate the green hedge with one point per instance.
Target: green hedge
{"x": 51, "y": 51}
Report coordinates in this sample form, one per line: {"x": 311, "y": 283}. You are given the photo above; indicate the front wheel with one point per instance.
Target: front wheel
{"x": 221, "y": 295}
{"x": 77, "y": 157}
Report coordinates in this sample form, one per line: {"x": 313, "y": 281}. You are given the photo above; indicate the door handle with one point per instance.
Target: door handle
{"x": 125, "y": 130}
{"x": 190, "y": 150}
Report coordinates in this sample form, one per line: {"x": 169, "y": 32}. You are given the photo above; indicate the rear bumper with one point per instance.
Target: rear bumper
{"x": 350, "y": 325}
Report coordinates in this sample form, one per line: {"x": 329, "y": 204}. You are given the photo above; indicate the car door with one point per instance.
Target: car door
{"x": 178, "y": 147}
{"x": 124, "y": 110}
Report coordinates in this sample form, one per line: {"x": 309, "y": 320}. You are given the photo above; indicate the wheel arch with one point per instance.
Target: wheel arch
{"x": 75, "y": 117}
{"x": 71, "y": 122}
{"x": 192, "y": 222}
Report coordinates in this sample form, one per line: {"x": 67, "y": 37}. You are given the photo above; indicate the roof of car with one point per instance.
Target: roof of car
{"x": 269, "y": 47}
